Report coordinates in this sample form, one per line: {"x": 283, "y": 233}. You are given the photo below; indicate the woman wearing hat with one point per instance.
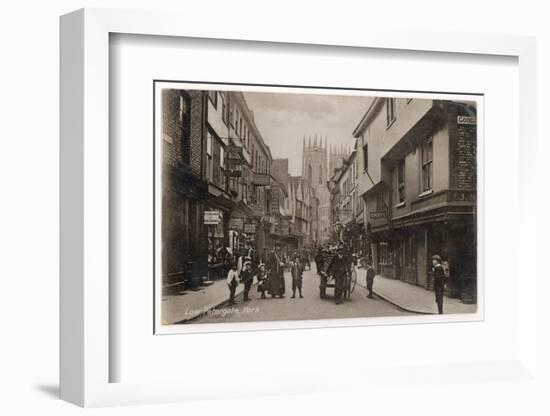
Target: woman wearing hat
{"x": 439, "y": 281}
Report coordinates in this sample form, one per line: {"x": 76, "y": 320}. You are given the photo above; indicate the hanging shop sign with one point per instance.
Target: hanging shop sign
{"x": 261, "y": 179}
{"x": 268, "y": 219}
{"x": 231, "y": 173}
{"x": 212, "y": 217}
{"x": 375, "y": 215}
{"x": 236, "y": 223}
{"x": 234, "y": 155}
{"x": 274, "y": 193}
{"x": 250, "y": 228}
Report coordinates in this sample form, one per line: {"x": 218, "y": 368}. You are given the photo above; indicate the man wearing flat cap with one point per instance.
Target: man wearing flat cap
{"x": 439, "y": 281}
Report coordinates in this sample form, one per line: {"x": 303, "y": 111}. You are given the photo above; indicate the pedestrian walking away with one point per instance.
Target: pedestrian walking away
{"x": 232, "y": 282}
{"x": 440, "y": 279}
{"x": 296, "y": 269}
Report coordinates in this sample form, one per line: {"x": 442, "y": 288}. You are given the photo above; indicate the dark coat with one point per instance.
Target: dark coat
{"x": 247, "y": 277}
{"x": 276, "y": 286}
{"x": 439, "y": 276}
{"x": 296, "y": 270}
{"x": 370, "y": 273}
{"x": 319, "y": 261}
{"x": 339, "y": 266}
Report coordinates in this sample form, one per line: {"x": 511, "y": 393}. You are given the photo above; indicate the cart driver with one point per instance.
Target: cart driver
{"x": 338, "y": 268}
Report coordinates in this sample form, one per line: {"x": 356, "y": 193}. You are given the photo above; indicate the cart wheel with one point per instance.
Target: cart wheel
{"x": 347, "y": 292}
{"x": 353, "y": 281}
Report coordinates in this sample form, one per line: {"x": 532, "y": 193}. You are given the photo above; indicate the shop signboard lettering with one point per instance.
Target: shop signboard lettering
{"x": 250, "y": 228}
{"x": 466, "y": 120}
{"x": 274, "y": 199}
{"x": 234, "y": 155}
{"x": 212, "y": 217}
{"x": 376, "y": 215}
{"x": 261, "y": 179}
{"x": 236, "y": 223}
{"x": 233, "y": 173}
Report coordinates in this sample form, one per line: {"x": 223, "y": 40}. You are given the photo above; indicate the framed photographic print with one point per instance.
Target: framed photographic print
{"x": 270, "y": 193}
{"x": 258, "y": 222}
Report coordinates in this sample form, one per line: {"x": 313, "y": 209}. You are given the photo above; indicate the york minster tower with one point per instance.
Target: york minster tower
{"x": 315, "y": 170}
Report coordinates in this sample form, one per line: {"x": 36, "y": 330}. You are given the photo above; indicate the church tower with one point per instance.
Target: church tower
{"x": 315, "y": 171}
{"x": 315, "y": 161}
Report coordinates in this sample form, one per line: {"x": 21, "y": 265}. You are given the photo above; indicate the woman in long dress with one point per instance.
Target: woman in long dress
{"x": 275, "y": 268}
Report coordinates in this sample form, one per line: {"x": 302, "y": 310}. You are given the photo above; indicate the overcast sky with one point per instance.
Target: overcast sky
{"x": 284, "y": 119}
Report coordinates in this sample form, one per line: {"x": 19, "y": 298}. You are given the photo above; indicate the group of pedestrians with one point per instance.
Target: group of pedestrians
{"x": 335, "y": 261}
{"x": 269, "y": 275}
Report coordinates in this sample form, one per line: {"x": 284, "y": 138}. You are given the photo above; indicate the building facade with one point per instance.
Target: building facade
{"x": 184, "y": 187}
{"x": 417, "y": 179}
{"x": 216, "y": 177}
{"x": 247, "y": 167}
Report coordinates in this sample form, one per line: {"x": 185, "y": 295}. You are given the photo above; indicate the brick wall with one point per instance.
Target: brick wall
{"x": 171, "y": 128}
{"x": 196, "y": 135}
{"x": 184, "y": 146}
{"x": 465, "y": 156}
{"x": 177, "y": 150}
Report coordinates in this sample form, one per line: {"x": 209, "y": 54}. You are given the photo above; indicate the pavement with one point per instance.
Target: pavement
{"x": 189, "y": 304}
{"x": 412, "y": 298}
{"x": 402, "y": 298}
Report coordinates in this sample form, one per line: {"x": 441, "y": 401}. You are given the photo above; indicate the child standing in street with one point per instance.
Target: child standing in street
{"x": 232, "y": 282}
{"x": 370, "y": 276}
{"x": 262, "y": 280}
{"x": 247, "y": 278}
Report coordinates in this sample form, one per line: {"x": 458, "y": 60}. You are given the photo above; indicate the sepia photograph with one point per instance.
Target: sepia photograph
{"x": 297, "y": 204}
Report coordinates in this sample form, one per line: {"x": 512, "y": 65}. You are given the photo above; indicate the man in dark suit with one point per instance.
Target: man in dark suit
{"x": 339, "y": 268}
{"x": 439, "y": 281}
{"x": 319, "y": 261}
{"x": 296, "y": 270}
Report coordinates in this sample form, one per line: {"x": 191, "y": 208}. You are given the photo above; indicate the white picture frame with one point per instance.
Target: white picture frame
{"x": 85, "y": 220}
